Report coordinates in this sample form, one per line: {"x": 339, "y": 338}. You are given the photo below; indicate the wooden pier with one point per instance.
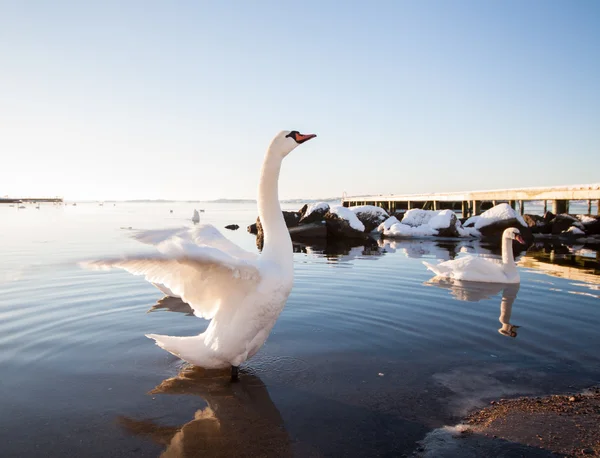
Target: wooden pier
{"x": 473, "y": 202}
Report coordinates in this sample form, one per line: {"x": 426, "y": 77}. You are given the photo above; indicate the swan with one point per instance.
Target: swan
{"x": 472, "y": 268}
{"x": 241, "y": 293}
{"x": 196, "y": 217}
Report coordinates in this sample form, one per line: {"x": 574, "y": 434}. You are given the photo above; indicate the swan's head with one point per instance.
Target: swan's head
{"x": 508, "y": 330}
{"x": 515, "y": 234}
{"x": 286, "y": 140}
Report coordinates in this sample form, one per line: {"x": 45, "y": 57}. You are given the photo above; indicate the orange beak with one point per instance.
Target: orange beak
{"x": 301, "y": 138}
{"x": 519, "y": 239}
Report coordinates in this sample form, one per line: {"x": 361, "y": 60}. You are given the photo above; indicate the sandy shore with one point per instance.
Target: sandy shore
{"x": 563, "y": 424}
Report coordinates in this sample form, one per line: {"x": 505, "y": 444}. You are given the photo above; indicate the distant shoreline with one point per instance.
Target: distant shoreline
{"x": 162, "y": 201}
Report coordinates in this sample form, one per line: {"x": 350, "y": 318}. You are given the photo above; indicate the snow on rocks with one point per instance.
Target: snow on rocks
{"x": 385, "y": 226}
{"x": 313, "y": 212}
{"x": 500, "y": 212}
{"x": 343, "y": 223}
{"x": 423, "y": 223}
{"x": 370, "y": 215}
{"x": 348, "y": 215}
{"x": 574, "y": 230}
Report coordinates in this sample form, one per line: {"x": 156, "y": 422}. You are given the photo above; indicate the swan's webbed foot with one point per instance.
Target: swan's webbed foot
{"x": 235, "y": 373}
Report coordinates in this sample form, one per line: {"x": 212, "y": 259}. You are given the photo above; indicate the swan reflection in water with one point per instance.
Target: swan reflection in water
{"x": 240, "y": 418}
{"x": 476, "y": 291}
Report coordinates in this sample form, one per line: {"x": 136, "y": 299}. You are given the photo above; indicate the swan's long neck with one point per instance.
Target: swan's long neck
{"x": 508, "y": 298}
{"x": 277, "y": 243}
{"x": 508, "y": 258}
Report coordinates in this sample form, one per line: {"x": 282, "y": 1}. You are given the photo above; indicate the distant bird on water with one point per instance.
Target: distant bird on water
{"x": 196, "y": 217}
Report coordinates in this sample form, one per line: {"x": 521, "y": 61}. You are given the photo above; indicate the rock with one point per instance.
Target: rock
{"x": 291, "y": 220}
{"x": 339, "y": 227}
{"x": 493, "y": 232}
{"x": 549, "y": 216}
{"x": 590, "y": 223}
{"x": 562, "y": 222}
{"x": 370, "y": 215}
{"x": 538, "y": 224}
{"x": 312, "y": 213}
{"x": 309, "y": 231}
{"x": 232, "y": 227}
{"x": 253, "y": 228}
{"x": 398, "y": 214}
{"x": 451, "y": 230}
{"x": 469, "y": 222}
{"x": 573, "y": 233}
{"x": 385, "y": 226}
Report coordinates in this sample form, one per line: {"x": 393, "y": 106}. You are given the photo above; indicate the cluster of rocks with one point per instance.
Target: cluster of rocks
{"x": 323, "y": 221}
{"x": 564, "y": 225}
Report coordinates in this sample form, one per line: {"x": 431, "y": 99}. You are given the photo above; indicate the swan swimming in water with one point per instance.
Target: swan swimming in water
{"x": 242, "y": 293}
{"x": 473, "y": 268}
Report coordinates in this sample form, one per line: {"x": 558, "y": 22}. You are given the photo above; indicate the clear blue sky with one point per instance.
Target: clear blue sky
{"x": 156, "y": 99}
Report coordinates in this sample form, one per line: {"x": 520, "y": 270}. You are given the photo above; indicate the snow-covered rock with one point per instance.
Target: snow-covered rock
{"x": 590, "y": 223}
{"x": 342, "y": 222}
{"x": 348, "y": 215}
{"x": 562, "y": 222}
{"x": 420, "y": 223}
{"x": 314, "y": 212}
{"x": 370, "y": 215}
{"x": 385, "y": 226}
{"x": 492, "y": 223}
{"x": 574, "y": 230}
{"x": 537, "y": 224}
{"x": 501, "y": 212}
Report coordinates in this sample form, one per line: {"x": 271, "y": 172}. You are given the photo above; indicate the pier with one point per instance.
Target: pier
{"x": 555, "y": 198}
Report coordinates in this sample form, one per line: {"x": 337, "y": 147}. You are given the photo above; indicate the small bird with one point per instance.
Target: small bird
{"x": 196, "y": 217}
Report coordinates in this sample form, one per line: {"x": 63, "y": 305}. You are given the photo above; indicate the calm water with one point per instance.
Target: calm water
{"x": 367, "y": 357}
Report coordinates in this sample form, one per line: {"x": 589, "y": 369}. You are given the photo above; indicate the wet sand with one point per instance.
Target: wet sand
{"x": 567, "y": 425}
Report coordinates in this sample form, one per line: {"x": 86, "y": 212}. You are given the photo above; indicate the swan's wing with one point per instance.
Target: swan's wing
{"x": 438, "y": 270}
{"x": 207, "y": 234}
{"x": 204, "y": 277}
{"x": 472, "y": 268}
{"x": 202, "y": 235}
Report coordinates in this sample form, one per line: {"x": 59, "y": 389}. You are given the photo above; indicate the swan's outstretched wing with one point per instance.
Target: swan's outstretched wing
{"x": 204, "y": 277}
{"x": 202, "y": 235}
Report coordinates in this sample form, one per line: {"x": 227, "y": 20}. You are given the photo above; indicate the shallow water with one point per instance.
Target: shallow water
{"x": 366, "y": 358}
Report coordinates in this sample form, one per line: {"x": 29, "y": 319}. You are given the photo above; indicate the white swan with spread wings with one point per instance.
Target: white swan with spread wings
{"x": 242, "y": 293}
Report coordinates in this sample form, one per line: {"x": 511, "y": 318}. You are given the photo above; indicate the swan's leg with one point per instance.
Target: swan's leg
{"x": 234, "y": 373}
